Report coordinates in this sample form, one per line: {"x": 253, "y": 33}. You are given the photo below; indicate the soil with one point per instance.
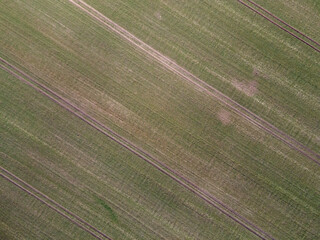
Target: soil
{"x": 250, "y": 88}
{"x": 225, "y": 117}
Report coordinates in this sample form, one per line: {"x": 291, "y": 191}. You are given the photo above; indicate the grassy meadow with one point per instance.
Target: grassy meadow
{"x": 223, "y": 43}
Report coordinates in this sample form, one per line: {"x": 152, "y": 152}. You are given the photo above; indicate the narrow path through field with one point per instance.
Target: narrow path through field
{"x": 10, "y": 177}
{"x": 279, "y": 26}
{"x": 172, "y": 66}
{"x": 283, "y": 22}
{"x": 186, "y": 183}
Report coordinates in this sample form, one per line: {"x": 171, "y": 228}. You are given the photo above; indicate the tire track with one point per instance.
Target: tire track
{"x": 186, "y": 183}
{"x": 54, "y": 205}
{"x": 278, "y": 25}
{"x": 172, "y": 66}
{"x": 283, "y": 22}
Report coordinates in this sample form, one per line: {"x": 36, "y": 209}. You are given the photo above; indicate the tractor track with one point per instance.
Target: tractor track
{"x": 171, "y": 65}
{"x": 283, "y": 22}
{"x": 54, "y": 205}
{"x": 278, "y": 25}
{"x": 186, "y": 183}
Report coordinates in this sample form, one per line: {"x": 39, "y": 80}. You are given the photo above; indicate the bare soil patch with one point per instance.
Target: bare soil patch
{"x": 158, "y": 15}
{"x": 256, "y": 72}
{"x": 225, "y": 117}
{"x": 250, "y": 88}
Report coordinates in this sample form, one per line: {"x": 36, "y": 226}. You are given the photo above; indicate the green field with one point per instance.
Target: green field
{"x": 223, "y": 43}
{"x": 92, "y": 176}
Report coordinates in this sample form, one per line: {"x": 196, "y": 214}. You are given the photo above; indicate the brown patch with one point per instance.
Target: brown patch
{"x": 225, "y": 117}
{"x": 158, "y": 15}
{"x": 250, "y": 89}
{"x": 256, "y": 72}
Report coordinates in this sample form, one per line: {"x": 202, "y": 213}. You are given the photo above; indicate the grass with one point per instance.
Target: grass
{"x": 93, "y": 177}
{"x": 113, "y": 216}
{"x": 248, "y": 169}
{"x": 224, "y": 42}
{"x": 23, "y": 217}
{"x": 304, "y": 15}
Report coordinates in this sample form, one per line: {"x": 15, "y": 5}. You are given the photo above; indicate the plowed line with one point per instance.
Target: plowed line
{"x": 278, "y": 25}
{"x": 171, "y": 65}
{"x": 186, "y": 183}
{"x": 283, "y": 22}
{"x": 54, "y": 205}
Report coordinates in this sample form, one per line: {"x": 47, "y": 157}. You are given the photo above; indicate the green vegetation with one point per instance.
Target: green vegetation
{"x": 113, "y": 216}
{"x": 23, "y": 217}
{"x": 223, "y": 43}
{"x": 228, "y": 46}
{"x": 67, "y": 160}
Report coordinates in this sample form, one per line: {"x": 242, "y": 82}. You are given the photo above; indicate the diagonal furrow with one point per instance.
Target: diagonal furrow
{"x": 283, "y": 22}
{"x": 53, "y": 205}
{"x": 211, "y": 200}
{"x": 172, "y": 66}
{"x": 279, "y": 26}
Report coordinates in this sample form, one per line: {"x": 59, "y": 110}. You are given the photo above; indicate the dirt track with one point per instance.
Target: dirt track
{"x": 283, "y": 22}
{"x": 279, "y": 26}
{"x": 54, "y": 205}
{"x": 211, "y": 200}
{"x": 171, "y": 65}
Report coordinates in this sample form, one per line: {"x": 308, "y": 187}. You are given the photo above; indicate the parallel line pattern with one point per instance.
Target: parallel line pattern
{"x": 53, "y": 205}
{"x": 211, "y": 200}
{"x": 171, "y": 65}
{"x": 283, "y": 22}
{"x": 279, "y": 26}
